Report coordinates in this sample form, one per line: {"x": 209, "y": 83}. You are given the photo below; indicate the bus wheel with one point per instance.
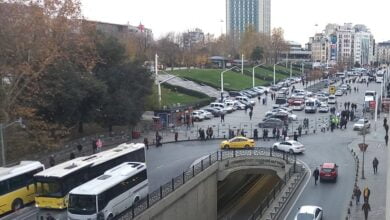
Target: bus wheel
{"x": 136, "y": 200}
{"x": 17, "y": 204}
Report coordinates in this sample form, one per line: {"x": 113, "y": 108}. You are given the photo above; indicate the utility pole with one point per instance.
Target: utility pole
{"x": 242, "y": 64}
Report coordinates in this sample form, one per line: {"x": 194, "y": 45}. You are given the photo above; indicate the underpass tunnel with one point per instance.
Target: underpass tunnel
{"x": 240, "y": 193}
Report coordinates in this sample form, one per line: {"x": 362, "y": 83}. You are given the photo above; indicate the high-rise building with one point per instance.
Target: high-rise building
{"x": 383, "y": 52}
{"x": 240, "y": 14}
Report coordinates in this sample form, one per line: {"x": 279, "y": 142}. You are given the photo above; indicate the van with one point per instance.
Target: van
{"x": 332, "y": 99}
{"x": 228, "y": 109}
{"x": 310, "y": 106}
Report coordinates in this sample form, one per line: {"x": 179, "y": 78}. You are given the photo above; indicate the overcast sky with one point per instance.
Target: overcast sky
{"x": 296, "y": 17}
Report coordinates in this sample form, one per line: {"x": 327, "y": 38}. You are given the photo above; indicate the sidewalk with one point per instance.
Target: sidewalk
{"x": 375, "y": 182}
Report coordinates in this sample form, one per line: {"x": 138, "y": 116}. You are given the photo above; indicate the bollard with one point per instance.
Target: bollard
{"x": 314, "y": 131}
{"x": 350, "y": 203}
{"x": 349, "y": 211}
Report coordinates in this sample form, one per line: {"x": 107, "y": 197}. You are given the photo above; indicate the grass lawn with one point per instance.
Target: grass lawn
{"x": 169, "y": 97}
{"x": 212, "y": 77}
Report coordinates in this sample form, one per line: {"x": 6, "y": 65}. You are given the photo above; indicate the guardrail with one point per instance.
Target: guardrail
{"x": 176, "y": 182}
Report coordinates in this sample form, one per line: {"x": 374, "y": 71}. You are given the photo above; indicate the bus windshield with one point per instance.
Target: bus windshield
{"x": 51, "y": 188}
{"x": 82, "y": 204}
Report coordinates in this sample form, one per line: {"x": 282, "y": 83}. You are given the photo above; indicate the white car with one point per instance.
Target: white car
{"x": 332, "y": 99}
{"x": 309, "y": 212}
{"x": 324, "y": 108}
{"x": 361, "y": 123}
{"x": 292, "y": 117}
{"x": 289, "y": 146}
{"x": 339, "y": 93}
{"x": 206, "y": 114}
{"x": 197, "y": 116}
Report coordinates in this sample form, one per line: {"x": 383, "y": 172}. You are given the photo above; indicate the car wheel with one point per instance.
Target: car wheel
{"x": 17, "y": 204}
{"x": 246, "y": 146}
{"x": 276, "y": 147}
{"x": 291, "y": 151}
{"x": 110, "y": 217}
{"x": 226, "y": 146}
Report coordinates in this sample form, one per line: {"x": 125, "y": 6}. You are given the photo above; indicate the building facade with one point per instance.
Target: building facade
{"x": 193, "y": 37}
{"x": 240, "y": 14}
{"x": 344, "y": 44}
{"x": 383, "y": 52}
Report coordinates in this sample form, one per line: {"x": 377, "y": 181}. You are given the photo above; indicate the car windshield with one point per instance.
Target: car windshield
{"x": 360, "y": 121}
{"x": 327, "y": 170}
{"x": 82, "y": 204}
{"x": 305, "y": 216}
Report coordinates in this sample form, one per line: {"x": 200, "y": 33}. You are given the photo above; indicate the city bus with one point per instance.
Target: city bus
{"x": 109, "y": 194}
{"x": 54, "y": 184}
{"x": 17, "y": 185}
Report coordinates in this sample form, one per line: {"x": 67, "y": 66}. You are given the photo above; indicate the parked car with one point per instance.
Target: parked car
{"x": 197, "y": 116}
{"x": 361, "y": 123}
{"x": 206, "y": 114}
{"x": 215, "y": 112}
{"x": 289, "y": 146}
{"x": 339, "y": 93}
{"x": 298, "y": 105}
{"x": 235, "y": 93}
{"x": 328, "y": 171}
{"x": 238, "y": 142}
{"x": 246, "y": 99}
{"x": 332, "y": 99}
{"x": 309, "y": 212}
{"x": 271, "y": 123}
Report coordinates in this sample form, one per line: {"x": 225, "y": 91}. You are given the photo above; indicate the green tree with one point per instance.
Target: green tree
{"x": 257, "y": 54}
{"x": 128, "y": 85}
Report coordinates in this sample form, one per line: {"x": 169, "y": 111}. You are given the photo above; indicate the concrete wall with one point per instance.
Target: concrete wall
{"x": 197, "y": 199}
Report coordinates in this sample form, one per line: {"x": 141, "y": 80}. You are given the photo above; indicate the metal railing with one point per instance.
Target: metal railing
{"x": 164, "y": 190}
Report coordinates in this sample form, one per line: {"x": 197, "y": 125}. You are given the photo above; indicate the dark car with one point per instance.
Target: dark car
{"x": 213, "y": 111}
{"x": 235, "y": 93}
{"x": 279, "y": 115}
{"x": 271, "y": 123}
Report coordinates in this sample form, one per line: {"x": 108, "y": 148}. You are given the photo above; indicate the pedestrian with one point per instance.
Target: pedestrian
{"x": 176, "y": 136}
{"x": 375, "y": 163}
{"x": 277, "y": 134}
{"x": 274, "y": 132}
{"x": 387, "y": 128}
{"x": 316, "y": 174}
{"x": 366, "y": 208}
{"x": 242, "y": 133}
{"x": 265, "y": 134}
{"x": 295, "y": 136}
{"x": 259, "y": 98}
{"x": 79, "y": 147}
{"x": 250, "y": 115}
{"x": 146, "y": 143}
{"x": 255, "y": 134}
{"x": 345, "y": 105}
{"x": 72, "y": 155}
{"x": 52, "y": 161}
{"x": 386, "y": 139}
{"x": 384, "y": 122}
{"x": 99, "y": 145}
{"x": 94, "y": 146}
{"x": 366, "y": 194}
{"x": 222, "y": 118}
{"x": 300, "y": 130}
{"x": 357, "y": 193}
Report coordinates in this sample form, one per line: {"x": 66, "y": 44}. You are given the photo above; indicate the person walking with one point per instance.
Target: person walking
{"x": 357, "y": 193}
{"x": 99, "y": 145}
{"x": 52, "y": 161}
{"x": 222, "y": 118}
{"x": 366, "y": 208}
{"x": 295, "y": 136}
{"x": 79, "y": 148}
{"x": 255, "y": 134}
{"x": 375, "y": 163}
{"x": 72, "y": 155}
{"x": 146, "y": 143}
{"x": 300, "y": 130}
{"x": 250, "y": 115}
{"x": 94, "y": 146}
{"x": 384, "y": 122}
{"x": 386, "y": 139}
{"x": 387, "y": 128}
{"x": 316, "y": 174}
{"x": 176, "y": 136}
{"x": 277, "y": 134}
{"x": 366, "y": 194}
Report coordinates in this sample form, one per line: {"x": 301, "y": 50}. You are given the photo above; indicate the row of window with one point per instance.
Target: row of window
{"x": 105, "y": 197}
{"x": 17, "y": 182}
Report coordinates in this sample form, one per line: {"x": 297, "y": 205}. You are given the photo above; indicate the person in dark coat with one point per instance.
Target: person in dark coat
{"x": 386, "y": 139}
{"x": 295, "y": 136}
{"x": 176, "y": 136}
{"x": 316, "y": 174}
{"x": 387, "y": 128}
{"x": 300, "y": 130}
{"x": 94, "y": 146}
{"x": 357, "y": 193}
{"x": 277, "y": 134}
{"x": 250, "y": 115}
{"x": 52, "y": 162}
{"x": 255, "y": 134}
{"x": 72, "y": 155}
{"x": 375, "y": 163}
{"x": 79, "y": 147}
{"x": 146, "y": 143}
{"x": 366, "y": 208}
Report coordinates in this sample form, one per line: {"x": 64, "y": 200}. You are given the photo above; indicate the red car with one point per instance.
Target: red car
{"x": 328, "y": 171}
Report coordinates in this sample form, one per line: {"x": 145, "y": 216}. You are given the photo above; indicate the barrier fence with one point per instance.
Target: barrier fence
{"x": 169, "y": 187}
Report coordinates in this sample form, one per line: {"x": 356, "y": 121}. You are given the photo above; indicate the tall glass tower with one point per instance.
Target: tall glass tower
{"x": 243, "y": 13}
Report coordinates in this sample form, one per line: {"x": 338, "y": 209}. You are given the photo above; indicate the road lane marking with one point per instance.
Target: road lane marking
{"x": 300, "y": 193}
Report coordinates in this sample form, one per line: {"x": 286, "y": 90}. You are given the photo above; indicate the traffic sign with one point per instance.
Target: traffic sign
{"x": 363, "y": 147}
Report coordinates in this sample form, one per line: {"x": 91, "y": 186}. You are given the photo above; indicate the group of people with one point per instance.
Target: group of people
{"x": 204, "y": 135}
{"x": 366, "y": 196}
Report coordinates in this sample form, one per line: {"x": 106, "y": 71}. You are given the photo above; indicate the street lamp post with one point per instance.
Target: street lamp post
{"x": 2, "y": 127}
{"x": 253, "y": 74}
{"x": 222, "y": 80}
{"x": 159, "y": 87}
{"x": 275, "y": 72}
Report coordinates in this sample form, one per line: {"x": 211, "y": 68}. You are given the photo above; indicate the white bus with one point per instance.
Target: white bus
{"x": 17, "y": 185}
{"x": 109, "y": 194}
{"x": 379, "y": 77}
{"x": 54, "y": 184}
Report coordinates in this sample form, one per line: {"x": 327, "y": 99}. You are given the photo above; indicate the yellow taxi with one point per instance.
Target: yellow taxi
{"x": 238, "y": 142}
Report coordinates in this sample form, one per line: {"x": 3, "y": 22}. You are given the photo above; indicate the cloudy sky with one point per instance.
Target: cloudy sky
{"x": 296, "y": 17}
